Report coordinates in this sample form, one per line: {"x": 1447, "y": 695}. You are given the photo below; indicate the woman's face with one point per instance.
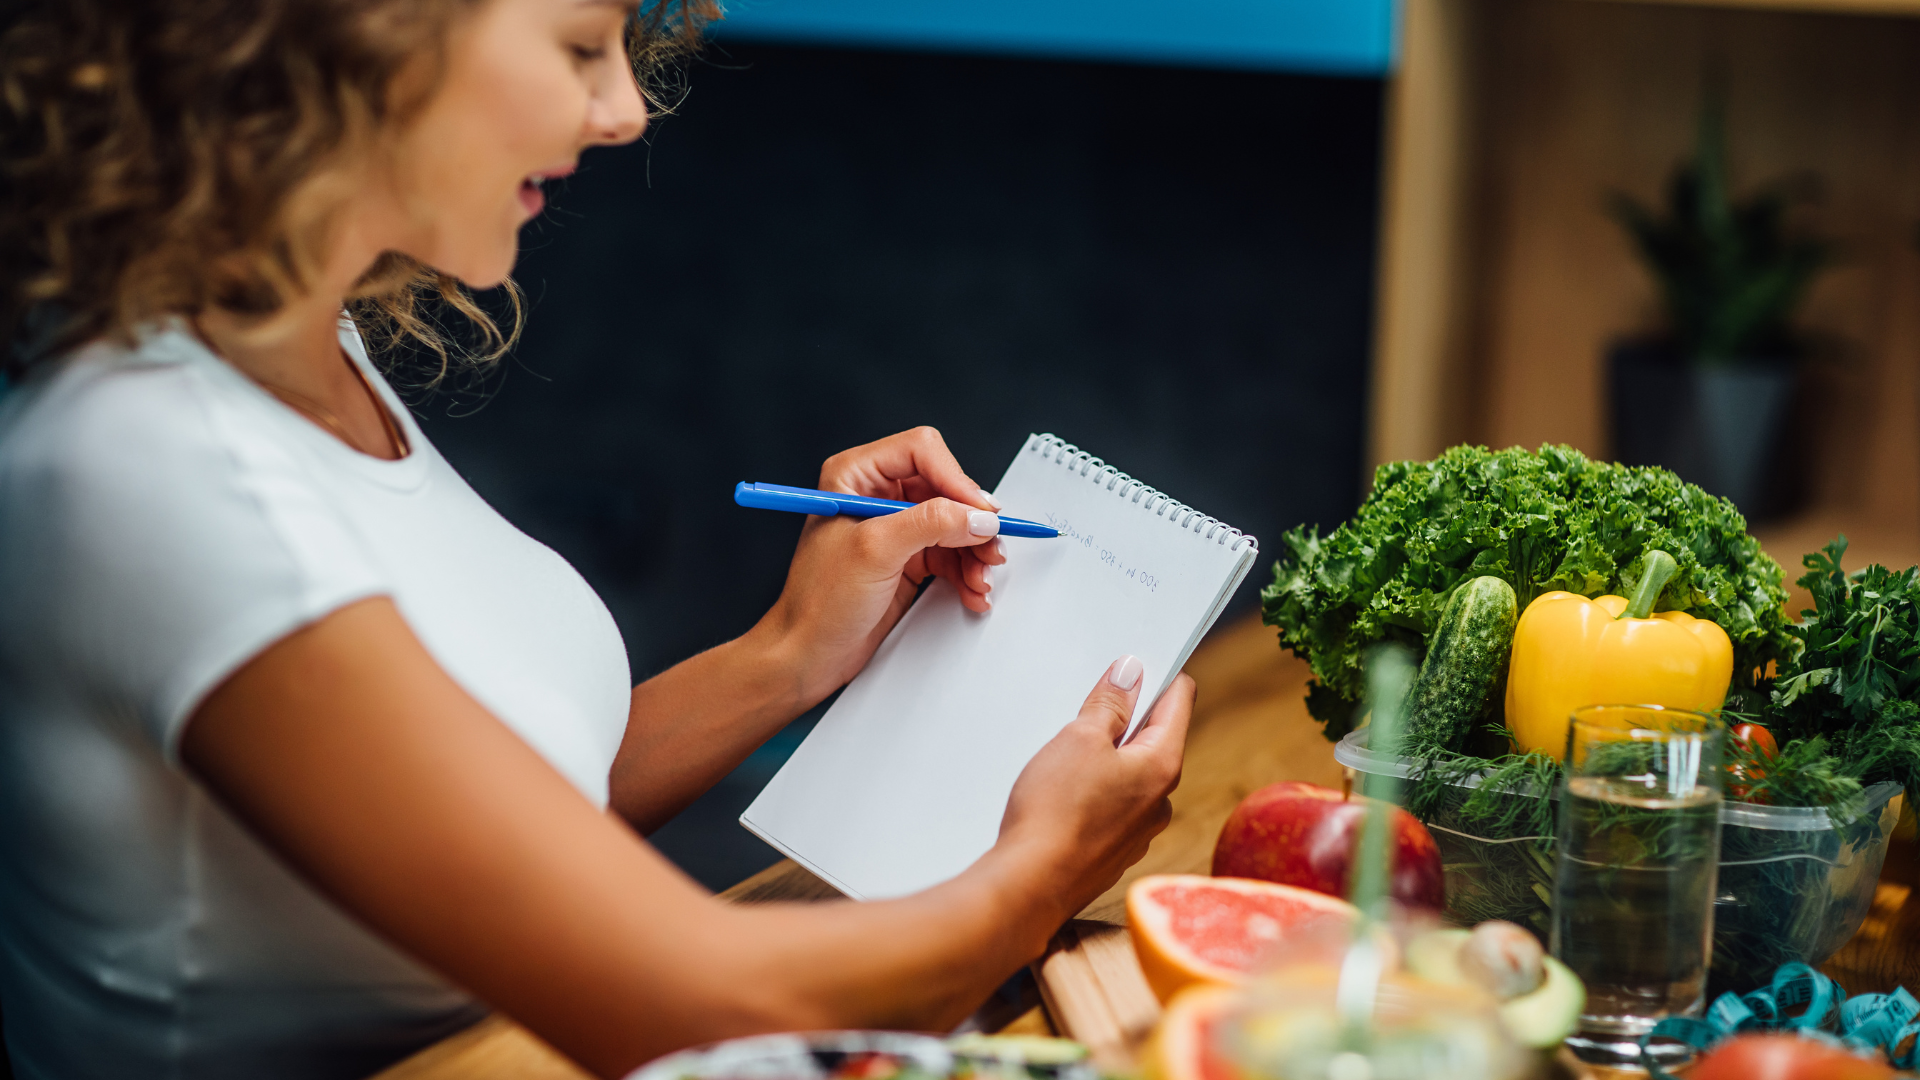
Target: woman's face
{"x": 528, "y": 85}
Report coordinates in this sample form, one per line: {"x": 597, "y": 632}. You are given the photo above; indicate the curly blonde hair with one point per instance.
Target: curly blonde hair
{"x": 167, "y": 157}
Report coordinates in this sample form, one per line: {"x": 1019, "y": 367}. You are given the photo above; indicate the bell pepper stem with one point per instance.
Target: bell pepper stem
{"x": 1660, "y": 567}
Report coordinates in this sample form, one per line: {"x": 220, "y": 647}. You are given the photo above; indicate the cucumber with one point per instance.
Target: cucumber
{"x": 1466, "y": 663}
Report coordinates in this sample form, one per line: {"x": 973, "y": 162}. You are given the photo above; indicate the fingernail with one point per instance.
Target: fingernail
{"x": 986, "y": 576}
{"x": 987, "y": 497}
{"x": 982, "y": 523}
{"x": 1125, "y": 672}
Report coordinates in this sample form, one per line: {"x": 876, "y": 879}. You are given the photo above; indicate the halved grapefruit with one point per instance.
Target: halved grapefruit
{"x": 1193, "y": 929}
{"x": 1186, "y": 1042}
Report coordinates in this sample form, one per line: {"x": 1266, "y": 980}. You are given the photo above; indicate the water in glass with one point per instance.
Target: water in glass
{"x": 1639, "y": 850}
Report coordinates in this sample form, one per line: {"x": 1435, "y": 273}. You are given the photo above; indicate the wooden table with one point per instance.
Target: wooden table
{"x": 1250, "y": 728}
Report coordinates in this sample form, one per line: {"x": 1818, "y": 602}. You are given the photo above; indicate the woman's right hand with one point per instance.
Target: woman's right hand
{"x": 1090, "y": 808}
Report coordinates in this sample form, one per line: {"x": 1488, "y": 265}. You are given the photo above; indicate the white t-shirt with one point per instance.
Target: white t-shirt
{"x": 162, "y": 520}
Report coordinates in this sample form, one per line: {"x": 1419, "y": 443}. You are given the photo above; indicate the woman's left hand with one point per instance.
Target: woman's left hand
{"x": 852, "y": 578}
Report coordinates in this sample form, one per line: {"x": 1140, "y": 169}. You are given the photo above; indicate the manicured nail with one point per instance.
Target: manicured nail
{"x": 986, "y": 576}
{"x": 987, "y": 497}
{"x": 982, "y": 523}
{"x": 1125, "y": 672}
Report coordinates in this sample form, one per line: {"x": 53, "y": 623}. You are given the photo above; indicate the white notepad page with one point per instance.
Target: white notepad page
{"x": 903, "y": 783}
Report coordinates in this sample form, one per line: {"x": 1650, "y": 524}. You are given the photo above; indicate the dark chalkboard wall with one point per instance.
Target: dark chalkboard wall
{"x": 1170, "y": 267}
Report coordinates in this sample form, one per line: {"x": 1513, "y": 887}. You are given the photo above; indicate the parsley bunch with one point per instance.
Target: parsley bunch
{"x": 1545, "y": 520}
{"x": 1855, "y": 689}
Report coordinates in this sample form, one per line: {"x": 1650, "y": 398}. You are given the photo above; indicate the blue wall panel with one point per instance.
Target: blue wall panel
{"x": 1353, "y": 37}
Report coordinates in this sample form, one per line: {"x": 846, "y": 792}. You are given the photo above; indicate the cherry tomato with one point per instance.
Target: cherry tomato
{"x": 1784, "y": 1057}
{"x": 1758, "y": 737}
{"x": 1754, "y": 740}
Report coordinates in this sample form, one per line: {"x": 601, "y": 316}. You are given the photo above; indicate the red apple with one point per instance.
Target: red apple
{"x": 1303, "y": 834}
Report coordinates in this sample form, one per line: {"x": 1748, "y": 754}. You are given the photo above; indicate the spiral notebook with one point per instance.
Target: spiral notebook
{"x": 903, "y": 783}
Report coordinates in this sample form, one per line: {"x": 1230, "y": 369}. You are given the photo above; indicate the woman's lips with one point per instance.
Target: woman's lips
{"x": 532, "y": 199}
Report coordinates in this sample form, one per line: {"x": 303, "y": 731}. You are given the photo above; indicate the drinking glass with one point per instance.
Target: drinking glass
{"x": 1639, "y": 848}
{"x": 1290, "y": 1025}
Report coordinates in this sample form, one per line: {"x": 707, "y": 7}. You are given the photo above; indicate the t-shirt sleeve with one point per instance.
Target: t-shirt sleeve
{"x": 182, "y": 544}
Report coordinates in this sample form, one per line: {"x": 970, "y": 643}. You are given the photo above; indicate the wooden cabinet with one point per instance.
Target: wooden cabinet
{"x": 1502, "y": 279}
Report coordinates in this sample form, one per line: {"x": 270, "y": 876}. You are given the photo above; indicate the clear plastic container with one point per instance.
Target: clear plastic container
{"x": 1791, "y": 886}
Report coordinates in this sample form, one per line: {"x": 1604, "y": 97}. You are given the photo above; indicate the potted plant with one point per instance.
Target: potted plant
{"x": 1708, "y": 397}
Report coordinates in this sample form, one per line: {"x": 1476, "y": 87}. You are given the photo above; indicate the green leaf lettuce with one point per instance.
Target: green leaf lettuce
{"x": 1543, "y": 521}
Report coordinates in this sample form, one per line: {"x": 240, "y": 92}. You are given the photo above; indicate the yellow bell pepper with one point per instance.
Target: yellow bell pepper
{"x": 1569, "y": 651}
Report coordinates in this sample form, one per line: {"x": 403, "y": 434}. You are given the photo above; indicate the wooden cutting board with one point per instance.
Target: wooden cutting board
{"x": 1095, "y": 993}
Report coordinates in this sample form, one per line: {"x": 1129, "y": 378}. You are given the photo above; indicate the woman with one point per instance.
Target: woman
{"x": 306, "y": 750}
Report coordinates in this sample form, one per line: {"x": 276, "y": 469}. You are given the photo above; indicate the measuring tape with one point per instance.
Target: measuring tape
{"x": 1866, "y": 1022}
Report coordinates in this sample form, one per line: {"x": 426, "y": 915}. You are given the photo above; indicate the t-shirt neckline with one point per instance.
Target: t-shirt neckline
{"x": 401, "y": 473}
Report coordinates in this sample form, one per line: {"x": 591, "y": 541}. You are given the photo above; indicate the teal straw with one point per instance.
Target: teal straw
{"x": 1389, "y": 677}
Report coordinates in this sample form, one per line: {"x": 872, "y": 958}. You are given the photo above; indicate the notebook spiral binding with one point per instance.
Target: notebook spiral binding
{"x": 1060, "y": 451}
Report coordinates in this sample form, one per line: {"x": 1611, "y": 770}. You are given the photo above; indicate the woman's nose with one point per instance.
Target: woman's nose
{"x": 619, "y": 114}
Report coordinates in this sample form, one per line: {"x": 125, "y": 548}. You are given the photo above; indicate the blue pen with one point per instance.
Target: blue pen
{"x": 828, "y": 503}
